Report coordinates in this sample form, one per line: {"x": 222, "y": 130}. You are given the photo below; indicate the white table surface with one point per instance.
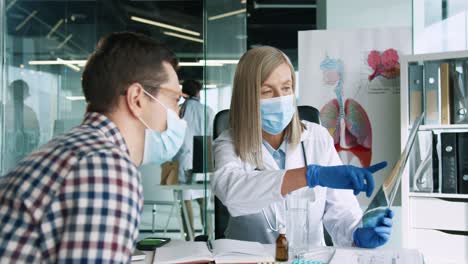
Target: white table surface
{"x": 270, "y": 248}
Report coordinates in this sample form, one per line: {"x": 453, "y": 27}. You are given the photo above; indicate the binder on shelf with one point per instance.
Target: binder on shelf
{"x": 421, "y": 166}
{"x": 415, "y": 85}
{"x": 460, "y": 94}
{"x": 435, "y": 163}
{"x": 449, "y": 162}
{"x": 431, "y": 92}
{"x": 462, "y": 162}
{"x": 446, "y": 94}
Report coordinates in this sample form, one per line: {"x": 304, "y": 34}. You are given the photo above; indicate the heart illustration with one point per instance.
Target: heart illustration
{"x": 385, "y": 64}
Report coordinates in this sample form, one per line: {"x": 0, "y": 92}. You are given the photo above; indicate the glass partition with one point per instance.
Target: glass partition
{"x": 44, "y": 45}
{"x": 226, "y": 41}
{"x": 2, "y": 82}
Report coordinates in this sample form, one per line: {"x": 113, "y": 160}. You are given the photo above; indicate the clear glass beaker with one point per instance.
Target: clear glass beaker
{"x": 297, "y": 224}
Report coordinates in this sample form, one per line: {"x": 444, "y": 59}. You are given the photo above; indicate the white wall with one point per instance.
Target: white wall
{"x": 352, "y": 14}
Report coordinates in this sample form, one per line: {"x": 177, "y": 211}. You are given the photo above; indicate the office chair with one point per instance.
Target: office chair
{"x": 221, "y": 123}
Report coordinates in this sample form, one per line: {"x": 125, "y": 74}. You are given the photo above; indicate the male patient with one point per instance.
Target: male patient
{"x": 79, "y": 198}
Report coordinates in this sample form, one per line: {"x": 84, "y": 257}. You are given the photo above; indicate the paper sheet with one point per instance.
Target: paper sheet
{"x": 362, "y": 256}
{"x": 183, "y": 252}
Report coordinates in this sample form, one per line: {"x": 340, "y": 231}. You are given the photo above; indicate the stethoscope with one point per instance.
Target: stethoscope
{"x": 276, "y": 228}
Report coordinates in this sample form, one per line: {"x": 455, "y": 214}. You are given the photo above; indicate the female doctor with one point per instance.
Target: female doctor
{"x": 269, "y": 154}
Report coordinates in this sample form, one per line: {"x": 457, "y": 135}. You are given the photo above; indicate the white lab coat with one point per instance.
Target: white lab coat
{"x": 246, "y": 191}
{"x": 195, "y": 116}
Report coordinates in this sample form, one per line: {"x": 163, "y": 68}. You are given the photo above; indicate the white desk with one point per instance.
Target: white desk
{"x": 270, "y": 248}
{"x": 178, "y": 195}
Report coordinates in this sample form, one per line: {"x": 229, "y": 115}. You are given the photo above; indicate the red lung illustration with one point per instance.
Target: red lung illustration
{"x": 352, "y": 134}
{"x": 330, "y": 118}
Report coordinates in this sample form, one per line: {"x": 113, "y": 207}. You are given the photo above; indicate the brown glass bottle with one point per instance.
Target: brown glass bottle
{"x": 282, "y": 247}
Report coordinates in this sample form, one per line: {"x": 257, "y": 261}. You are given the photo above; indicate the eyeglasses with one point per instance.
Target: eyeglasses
{"x": 172, "y": 93}
{"x": 175, "y": 92}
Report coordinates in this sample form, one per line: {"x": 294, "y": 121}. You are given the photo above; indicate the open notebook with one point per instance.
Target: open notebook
{"x": 224, "y": 251}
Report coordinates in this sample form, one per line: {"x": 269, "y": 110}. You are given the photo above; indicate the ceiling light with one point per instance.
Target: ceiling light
{"x": 219, "y": 61}
{"x": 211, "y": 86}
{"x": 199, "y": 64}
{"x": 159, "y": 24}
{"x": 69, "y": 65}
{"x": 26, "y": 20}
{"x": 64, "y": 41}
{"x": 228, "y": 14}
{"x": 45, "y": 62}
{"x": 10, "y": 5}
{"x": 190, "y": 64}
{"x": 80, "y": 63}
{"x": 75, "y": 98}
{"x": 57, "y": 62}
{"x": 72, "y": 64}
{"x": 183, "y": 36}
{"x": 57, "y": 25}
{"x": 284, "y": 6}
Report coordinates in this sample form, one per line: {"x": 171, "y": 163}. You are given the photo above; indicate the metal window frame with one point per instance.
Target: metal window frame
{"x": 2, "y": 84}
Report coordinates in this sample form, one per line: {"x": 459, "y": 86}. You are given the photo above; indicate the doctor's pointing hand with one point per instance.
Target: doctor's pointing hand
{"x": 269, "y": 154}
{"x": 344, "y": 177}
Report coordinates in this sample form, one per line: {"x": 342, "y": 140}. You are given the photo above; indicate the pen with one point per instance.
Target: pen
{"x": 210, "y": 247}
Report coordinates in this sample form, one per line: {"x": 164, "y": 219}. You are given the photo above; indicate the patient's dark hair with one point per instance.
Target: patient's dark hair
{"x": 121, "y": 59}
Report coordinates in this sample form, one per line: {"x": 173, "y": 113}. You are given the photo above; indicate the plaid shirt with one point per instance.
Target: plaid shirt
{"x": 76, "y": 200}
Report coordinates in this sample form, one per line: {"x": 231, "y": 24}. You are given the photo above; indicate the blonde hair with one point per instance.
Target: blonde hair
{"x": 255, "y": 66}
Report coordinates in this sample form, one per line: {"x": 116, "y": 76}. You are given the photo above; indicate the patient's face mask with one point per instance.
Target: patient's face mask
{"x": 163, "y": 146}
{"x": 277, "y": 113}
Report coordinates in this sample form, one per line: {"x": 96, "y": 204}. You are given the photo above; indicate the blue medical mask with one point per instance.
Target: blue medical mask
{"x": 163, "y": 146}
{"x": 277, "y": 113}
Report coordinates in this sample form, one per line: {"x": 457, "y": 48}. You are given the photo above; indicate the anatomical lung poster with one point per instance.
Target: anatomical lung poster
{"x": 353, "y": 78}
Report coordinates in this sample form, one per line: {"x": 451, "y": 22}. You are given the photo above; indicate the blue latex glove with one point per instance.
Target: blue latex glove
{"x": 344, "y": 177}
{"x": 372, "y": 237}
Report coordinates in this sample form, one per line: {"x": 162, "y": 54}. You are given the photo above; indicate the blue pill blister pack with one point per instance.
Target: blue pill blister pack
{"x": 306, "y": 262}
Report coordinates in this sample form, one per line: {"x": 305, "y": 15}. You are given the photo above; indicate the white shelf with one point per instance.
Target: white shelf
{"x": 439, "y": 195}
{"x": 444, "y": 127}
{"x": 434, "y": 56}
{"x": 418, "y": 230}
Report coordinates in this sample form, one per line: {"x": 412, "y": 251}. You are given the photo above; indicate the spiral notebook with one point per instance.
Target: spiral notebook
{"x": 224, "y": 251}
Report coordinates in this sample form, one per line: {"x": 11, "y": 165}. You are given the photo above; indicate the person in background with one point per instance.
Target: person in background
{"x": 193, "y": 112}
{"x": 78, "y": 199}
{"x": 21, "y": 124}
